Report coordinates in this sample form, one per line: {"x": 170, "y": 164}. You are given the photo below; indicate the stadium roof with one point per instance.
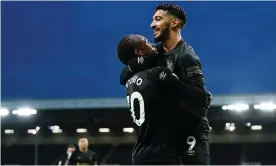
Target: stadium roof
{"x": 121, "y": 102}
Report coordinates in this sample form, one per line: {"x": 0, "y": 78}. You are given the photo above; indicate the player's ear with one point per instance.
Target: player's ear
{"x": 138, "y": 52}
{"x": 175, "y": 23}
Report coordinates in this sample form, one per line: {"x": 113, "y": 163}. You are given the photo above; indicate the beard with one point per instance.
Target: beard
{"x": 164, "y": 34}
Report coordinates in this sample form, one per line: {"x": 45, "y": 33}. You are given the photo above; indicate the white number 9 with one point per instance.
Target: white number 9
{"x": 191, "y": 140}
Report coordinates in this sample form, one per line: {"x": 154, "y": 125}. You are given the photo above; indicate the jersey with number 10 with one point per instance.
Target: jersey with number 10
{"x": 151, "y": 109}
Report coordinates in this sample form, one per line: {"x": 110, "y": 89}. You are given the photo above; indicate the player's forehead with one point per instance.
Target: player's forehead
{"x": 139, "y": 39}
{"x": 70, "y": 148}
{"x": 82, "y": 139}
{"x": 144, "y": 39}
{"x": 160, "y": 13}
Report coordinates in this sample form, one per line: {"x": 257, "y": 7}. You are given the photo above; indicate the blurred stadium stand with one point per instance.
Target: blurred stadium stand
{"x": 243, "y": 132}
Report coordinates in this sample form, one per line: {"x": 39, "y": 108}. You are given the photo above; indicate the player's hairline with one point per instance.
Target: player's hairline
{"x": 82, "y": 137}
{"x": 71, "y": 146}
{"x": 167, "y": 11}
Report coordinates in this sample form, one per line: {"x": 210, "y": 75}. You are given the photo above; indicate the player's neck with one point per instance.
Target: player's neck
{"x": 172, "y": 41}
{"x": 83, "y": 149}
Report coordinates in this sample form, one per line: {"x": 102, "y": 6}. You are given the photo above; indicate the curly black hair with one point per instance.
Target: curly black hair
{"x": 175, "y": 11}
{"x": 126, "y": 48}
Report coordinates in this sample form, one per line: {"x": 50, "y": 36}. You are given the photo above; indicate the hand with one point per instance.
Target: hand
{"x": 164, "y": 74}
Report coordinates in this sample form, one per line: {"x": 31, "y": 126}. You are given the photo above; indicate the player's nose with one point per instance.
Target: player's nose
{"x": 153, "y": 25}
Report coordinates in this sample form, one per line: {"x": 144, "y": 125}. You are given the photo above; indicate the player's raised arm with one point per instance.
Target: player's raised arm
{"x": 192, "y": 76}
{"x": 190, "y": 68}
{"x": 181, "y": 89}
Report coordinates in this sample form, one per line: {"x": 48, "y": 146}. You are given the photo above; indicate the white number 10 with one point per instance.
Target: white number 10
{"x": 133, "y": 96}
{"x": 191, "y": 140}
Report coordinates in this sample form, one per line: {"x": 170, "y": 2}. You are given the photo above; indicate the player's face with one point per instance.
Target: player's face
{"x": 83, "y": 143}
{"x": 161, "y": 25}
{"x": 147, "y": 48}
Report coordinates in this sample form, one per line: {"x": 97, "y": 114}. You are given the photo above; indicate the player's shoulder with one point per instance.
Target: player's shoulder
{"x": 149, "y": 75}
{"x": 75, "y": 154}
{"x": 91, "y": 152}
{"x": 139, "y": 75}
{"x": 145, "y": 74}
{"x": 186, "y": 51}
{"x": 136, "y": 79}
{"x": 145, "y": 78}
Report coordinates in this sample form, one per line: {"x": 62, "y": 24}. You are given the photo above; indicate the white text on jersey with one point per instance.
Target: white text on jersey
{"x": 134, "y": 80}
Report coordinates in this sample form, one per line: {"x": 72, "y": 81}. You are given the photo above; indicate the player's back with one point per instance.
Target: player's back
{"x": 157, "y": 121}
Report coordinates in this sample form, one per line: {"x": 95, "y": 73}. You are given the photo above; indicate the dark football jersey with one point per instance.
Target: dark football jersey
{"x": 83, "y": 158}
{"x": 151, "y": 105}
{"x": 194, "y": 101}
{"x": 184, "y": 62}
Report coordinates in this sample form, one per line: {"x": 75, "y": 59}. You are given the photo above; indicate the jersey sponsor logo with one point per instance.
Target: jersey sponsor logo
{"x": 192, "y": 71}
